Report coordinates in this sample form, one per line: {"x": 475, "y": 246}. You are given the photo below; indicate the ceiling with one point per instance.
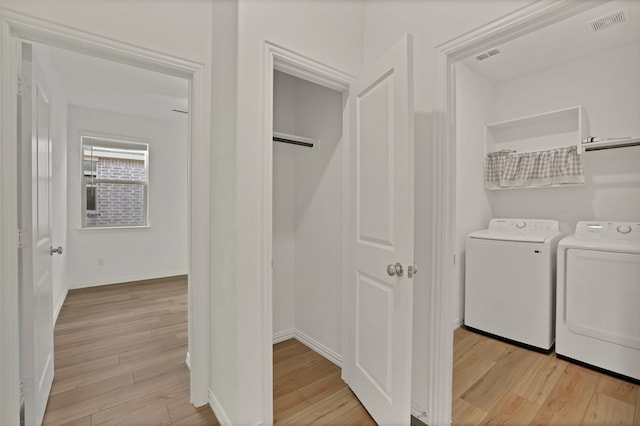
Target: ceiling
{"x": 98, "y": 83}
{"x": 560, "y": 43}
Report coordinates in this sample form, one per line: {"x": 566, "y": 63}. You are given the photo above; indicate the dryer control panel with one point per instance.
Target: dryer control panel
{"x": 525, "y": 225}
{"x": 608, "y": 230}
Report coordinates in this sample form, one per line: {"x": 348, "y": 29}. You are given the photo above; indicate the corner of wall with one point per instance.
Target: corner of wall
{"x": 224, "y": 394}
{"x": 218, "y": 411}
{"x": 58, "y": 304}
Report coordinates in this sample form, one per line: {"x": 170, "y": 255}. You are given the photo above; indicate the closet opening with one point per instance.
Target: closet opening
{"x": 307, "y": 215}
{"x": 307, "y": 274}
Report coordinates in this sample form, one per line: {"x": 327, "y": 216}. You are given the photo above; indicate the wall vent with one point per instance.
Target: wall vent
{"x": 487, "y": 54}
{"x": 610, "y": 20}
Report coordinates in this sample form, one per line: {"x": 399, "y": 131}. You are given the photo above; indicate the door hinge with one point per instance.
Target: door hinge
{"x": 24, "y": 87}
{"x": 22, "y": 414}
{"x": 412, "y": 270}
{"x": 20, "y": 238}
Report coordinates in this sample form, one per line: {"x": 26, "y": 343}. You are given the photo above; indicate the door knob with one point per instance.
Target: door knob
{"x": 395, "y": 270}
{"x": 56, "y": 250}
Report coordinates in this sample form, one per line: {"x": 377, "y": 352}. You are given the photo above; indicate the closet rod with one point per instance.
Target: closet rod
{"x": 610, "y": 143}
{"x": 293, "y": 140}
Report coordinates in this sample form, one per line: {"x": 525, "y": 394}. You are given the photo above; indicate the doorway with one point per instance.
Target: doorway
{"x": 120, "y": 158}
{"x": 307, "y": 211}
{"x": 377, "y": 224}
{"x": 516, "y": 26}
{"x": 307, "y": 233}
{"x": 198, "y": 183}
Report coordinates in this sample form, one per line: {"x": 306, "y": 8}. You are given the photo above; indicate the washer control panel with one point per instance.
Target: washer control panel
{"x": 609, "y": 230}
{"x": 524, "y": 225}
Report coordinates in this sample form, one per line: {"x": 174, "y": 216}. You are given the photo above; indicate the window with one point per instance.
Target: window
{"x": 114, "y": 183}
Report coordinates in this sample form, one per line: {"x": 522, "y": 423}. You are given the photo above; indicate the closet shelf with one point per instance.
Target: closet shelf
{"x": 294, "y": 140}
{"x": 611, "y": 143}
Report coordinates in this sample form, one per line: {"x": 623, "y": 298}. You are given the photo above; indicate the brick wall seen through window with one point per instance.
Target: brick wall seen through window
{"x": 115, "y": 183}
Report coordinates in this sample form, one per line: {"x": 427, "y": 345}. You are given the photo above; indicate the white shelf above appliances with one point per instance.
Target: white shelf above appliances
{"x": 548, "y": 130}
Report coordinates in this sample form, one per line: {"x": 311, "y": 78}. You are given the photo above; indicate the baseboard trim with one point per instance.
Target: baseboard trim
{"x": 56, "y": 312}
{"x": 188, "y": 360}
{"x": 318, "y": 347}
{"x": 458, "y": 323}
{"x": 219, "y": 412}
{"x": 157, "y": 276}
{"x": 419, "y": 413}
{"x": 281, "y": 336}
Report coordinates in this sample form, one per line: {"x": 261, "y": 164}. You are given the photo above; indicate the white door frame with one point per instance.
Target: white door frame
{"x": 279, "y": 58}
{"x": 15, "y": 27}
{"x": 521, "y": 22}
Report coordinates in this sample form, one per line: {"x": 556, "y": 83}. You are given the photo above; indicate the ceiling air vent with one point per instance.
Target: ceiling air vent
{"x": 615, "y": 18}
{"x": 488, "y": 54}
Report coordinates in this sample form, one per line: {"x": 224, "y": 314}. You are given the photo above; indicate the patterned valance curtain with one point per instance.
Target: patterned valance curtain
{"x": 508, "y": 169}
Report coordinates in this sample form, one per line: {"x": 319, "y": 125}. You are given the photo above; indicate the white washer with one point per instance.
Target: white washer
{"x": 598, "y": 312}
{"x": 510, "y": 280}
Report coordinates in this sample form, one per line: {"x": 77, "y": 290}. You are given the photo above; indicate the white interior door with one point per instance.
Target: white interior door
{"x": 35, "y": 256}
{"x": 380, "y": 304}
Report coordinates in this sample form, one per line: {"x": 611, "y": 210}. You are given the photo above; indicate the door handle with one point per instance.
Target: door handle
{"x": 394, "y": 270}
{"x": 57, "y": 250}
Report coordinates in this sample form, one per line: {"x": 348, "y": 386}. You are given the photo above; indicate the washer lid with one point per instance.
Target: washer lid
{"x": 523, "y": 230}
{"x": 505, "y": 235}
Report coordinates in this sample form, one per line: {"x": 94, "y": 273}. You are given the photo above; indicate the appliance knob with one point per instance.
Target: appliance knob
{"x": 624, "y": 229}
{"x": 521, "y": 225}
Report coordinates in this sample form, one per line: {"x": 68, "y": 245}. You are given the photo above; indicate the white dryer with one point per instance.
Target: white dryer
{"x": 510, "y": 280}
{"x": 598, "y": 298}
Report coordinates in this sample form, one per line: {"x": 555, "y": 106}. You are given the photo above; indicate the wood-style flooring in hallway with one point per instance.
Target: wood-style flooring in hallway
{"x": 120, "y": 357}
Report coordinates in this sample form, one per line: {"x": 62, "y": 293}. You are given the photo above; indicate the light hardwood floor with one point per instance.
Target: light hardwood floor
{"x": 120, "y": 357}
{"x": 498, "y": 383}
{"x": 308, "y": 389}
{"x": 120, "y": 360}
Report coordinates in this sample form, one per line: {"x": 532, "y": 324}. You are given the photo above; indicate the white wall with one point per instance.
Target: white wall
{"x": 474, "y": 109}
{"x": 330, "y": 32}
{"x": 224, "y": 362}
{"x": 431, "y": 23}
{"x": 319, "y": 216}
{"x": 106, "y": 256}
{"x": 45, "y": 73}
{"x": 180, "y": 28}
{"x": 308, "y": 213}
{"x": 608, "y": 88}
